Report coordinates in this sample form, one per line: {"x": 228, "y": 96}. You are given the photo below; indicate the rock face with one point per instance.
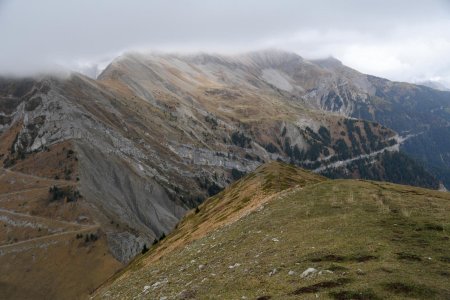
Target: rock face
{"x": 157, "y": 134}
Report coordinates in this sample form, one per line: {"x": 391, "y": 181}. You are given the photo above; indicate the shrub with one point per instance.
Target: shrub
{"x": 240, "y": 139}
{"x": 212, "y": 121}
{"x": 287, "y": 147}
{"x": 270, "y": 147}
{"x": 342, "y": 149}
{"x": 314, "y": 151}
{"x": 70, "y": 152}
{"x": 297, "y": 153}
{"x": 213, "y": 189}
{"x": 236, "y": 174}
{"x": 68, "y": 193}
{"x": 325, "y": 135}
{"x": 89, "y": 237}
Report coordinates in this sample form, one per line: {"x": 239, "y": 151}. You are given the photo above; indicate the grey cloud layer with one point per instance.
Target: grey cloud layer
{"x": 402, "y": 40}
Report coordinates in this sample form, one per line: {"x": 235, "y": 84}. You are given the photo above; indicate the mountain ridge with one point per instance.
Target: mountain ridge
{"x": 281, "y": 248}
{"x": 155, "y": 136}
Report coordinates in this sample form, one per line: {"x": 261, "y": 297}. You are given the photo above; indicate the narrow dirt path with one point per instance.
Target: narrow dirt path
{"x": 400, "y": 140}
{"x": 23, "y": 191}
{"x": 47, "y": 237}
{"x": 80, "y": 228}
{"x": 66, "y": 223}
{"x": 36, "y": 177}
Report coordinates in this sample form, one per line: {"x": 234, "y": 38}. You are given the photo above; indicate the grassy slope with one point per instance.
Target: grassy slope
{"x": 380, "y": 240}
{"x": 237, "y": 200}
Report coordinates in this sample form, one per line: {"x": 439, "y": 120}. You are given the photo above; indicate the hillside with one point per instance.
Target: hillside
{"x": 50, "y": 244}
{"x": 155, "y": 135}
{"x": 303, "y": 95}
{"x": 300, "y": 236}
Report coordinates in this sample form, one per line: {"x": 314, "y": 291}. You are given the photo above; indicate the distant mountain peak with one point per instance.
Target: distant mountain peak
{"x": 330, "y": 62}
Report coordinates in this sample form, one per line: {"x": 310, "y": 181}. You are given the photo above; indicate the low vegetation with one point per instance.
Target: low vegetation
{"x": 258, "y": 238}
{"x": 67, "y": 193}
{"x": 240, "y": 139}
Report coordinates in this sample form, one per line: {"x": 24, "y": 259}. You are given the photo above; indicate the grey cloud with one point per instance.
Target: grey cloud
{"x": 42, "y": 35}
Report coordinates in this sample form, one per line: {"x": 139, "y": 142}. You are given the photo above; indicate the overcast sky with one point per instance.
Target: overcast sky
{"x": 407, "y": 40}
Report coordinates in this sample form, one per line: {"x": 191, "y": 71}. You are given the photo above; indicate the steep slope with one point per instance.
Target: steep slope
{"x": 103, "y": 159}
{"x": 282, "y": 82}
{"x": 287, "y": 120}
{"x": 423, "y": 114}
{"x": 342, "y": 239}
{"x": 157, "y": 134}
{"x": 69, "y": 201}
{"x": 419, "y": 113}
{"x": 236, "y": 201}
